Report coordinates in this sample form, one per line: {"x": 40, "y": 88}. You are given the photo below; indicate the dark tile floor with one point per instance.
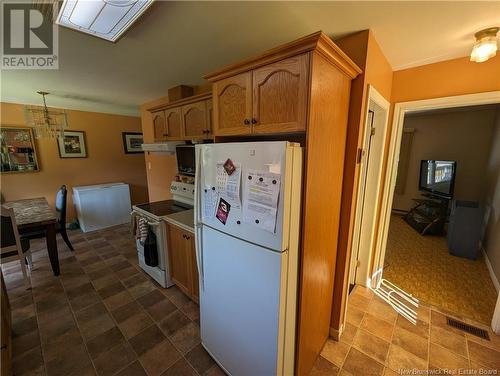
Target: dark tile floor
{"x": 102, "y": 315}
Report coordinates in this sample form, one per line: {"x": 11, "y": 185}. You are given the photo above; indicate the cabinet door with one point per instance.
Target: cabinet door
{"x": 173, "y": 121}
{"x": 195, "y": 284}
{"x": 194, "y": 116}
{"x": 159, "y": 128}
{"x": 233, "y": 105}
{"x": 280, "y": 93}
{"x": 179, "y": 259}
{"x": 210, "y": 117}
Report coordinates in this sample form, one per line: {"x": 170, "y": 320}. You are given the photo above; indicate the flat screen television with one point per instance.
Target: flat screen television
{"x": 438, "y": 177}
{"x": 185, "y": 159}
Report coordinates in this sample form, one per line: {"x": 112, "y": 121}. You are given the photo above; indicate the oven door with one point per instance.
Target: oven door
{"x": 159, "y": 273}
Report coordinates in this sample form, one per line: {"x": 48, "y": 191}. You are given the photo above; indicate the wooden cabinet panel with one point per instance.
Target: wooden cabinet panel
{"x": 280, "y": 93}
{"x": 173, "y": 121}
{"x": 194, "y": 117}
{"x": 233, "y": 105}
{"x": 182, "y": 258}
{"x": 195, "y": 284}
{"x": 159, "y": 127}
{"x": 179, "y": 258}
{"x": 210, "y": 117}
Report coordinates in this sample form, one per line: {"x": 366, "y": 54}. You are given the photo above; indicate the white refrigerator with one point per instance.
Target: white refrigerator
{"x": 247, "y": 213}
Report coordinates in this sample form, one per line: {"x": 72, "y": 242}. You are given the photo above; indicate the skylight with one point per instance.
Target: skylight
{"x": 106, "y": 19}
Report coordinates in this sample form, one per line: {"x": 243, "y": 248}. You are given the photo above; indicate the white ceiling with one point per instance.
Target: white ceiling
{"x": 178, "y": 42}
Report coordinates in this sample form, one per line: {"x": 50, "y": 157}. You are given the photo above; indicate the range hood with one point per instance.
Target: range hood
{"x": 162, "y": 147}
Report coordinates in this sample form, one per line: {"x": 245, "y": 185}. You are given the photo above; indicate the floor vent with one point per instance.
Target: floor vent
{"x": 468, "y": 328}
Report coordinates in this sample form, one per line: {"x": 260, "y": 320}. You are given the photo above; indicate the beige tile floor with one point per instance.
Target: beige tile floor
{"x": 102, "y": 315}
{"x": 423, "y": 267}
{"x": 378, "y": 341}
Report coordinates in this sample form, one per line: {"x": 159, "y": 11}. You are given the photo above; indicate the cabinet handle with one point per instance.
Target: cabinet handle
{"x": 246, "y": 121}
{"x": 254, "y": 121}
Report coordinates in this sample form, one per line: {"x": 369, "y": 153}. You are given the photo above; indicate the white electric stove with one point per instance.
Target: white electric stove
{"x": 154, "y": 213}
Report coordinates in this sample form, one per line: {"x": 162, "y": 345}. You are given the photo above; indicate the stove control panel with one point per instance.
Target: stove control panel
{"x": 182, "y": 190}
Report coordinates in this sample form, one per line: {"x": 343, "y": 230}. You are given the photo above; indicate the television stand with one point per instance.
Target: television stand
{"x": 428, "y": 216}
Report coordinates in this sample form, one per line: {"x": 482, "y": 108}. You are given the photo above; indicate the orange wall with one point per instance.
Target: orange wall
{"x": 446, "y": 78}
{"x": 378, "y": 70}
{"x": 363, "y": 48}
{"x": 161, "y": 168}
{"x": 106, "y": 161}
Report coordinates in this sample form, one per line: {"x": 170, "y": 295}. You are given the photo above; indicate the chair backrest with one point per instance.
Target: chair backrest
{"x": 61, "y": 196}
{"x": 9, "y": 236}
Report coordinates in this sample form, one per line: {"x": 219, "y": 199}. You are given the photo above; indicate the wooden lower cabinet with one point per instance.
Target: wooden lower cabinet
{"x": 182, "y": 259}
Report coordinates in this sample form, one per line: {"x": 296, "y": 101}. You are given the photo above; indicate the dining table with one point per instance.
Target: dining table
{"x": 34, "y": 214}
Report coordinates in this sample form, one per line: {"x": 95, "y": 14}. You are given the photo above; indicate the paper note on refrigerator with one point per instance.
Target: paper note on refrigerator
{"x": 228, "y": 186}
{"x": 210, "y": 197}
{"x": 260, "y": 199}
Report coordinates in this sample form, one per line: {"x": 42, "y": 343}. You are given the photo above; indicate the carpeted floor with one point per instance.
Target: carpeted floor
{"x": 422, "y": 266}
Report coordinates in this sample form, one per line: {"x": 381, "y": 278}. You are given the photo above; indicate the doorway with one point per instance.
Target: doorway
{"x": 370, "y": 158}
{"x": 387, "y": 217}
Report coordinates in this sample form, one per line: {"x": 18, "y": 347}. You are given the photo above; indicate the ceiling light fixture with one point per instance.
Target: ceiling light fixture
{"x": 485, "y": 46}
{"x": 106, "y": 19}
{"x": 46, "y": 123}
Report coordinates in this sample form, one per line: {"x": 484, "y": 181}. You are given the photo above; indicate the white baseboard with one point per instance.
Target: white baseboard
{"x": 490, "y": 269}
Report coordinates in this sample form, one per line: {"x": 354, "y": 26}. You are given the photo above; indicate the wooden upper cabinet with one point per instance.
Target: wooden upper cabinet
{"x": 210, "y": 117}
{"x": 194, "y": 117}
{"x": 233, "y": 105}
{"x": 185, "y": 119}
{"x": 159, "y": 127}
{"x": 173, "y": 122}
{"x": 280, "y": 93}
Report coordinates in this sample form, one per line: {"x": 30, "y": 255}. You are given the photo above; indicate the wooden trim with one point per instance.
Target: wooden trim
{"x": 336, "y": 333}
{"x": 181, "y": 102}
{"x": 325, "y": 147}
{"x": 318, "y": 41}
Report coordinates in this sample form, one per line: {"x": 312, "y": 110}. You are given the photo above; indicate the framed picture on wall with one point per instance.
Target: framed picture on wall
{"x": 72, "y": 145}
{"x": 17, "y": 150}
{"x": 132, "y": 142}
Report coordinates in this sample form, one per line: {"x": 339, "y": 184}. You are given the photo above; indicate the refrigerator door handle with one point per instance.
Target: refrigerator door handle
{"x": 199, "y": 254}
{"x": 197, "y": 215}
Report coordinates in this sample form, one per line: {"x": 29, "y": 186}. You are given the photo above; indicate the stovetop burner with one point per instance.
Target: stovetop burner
{"x": 166, "y": 207}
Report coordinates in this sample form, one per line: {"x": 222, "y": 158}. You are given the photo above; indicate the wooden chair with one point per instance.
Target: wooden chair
{"x": 12, "y": 246}
{"x": 61, "y": 198}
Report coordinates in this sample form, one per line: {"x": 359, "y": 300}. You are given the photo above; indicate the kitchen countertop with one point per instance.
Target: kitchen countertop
{"x": 183, "y": 219}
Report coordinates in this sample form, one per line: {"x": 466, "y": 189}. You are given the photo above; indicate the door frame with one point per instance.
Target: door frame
{"x": 372, "y": 96}
{"x": 400, "y": 110}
